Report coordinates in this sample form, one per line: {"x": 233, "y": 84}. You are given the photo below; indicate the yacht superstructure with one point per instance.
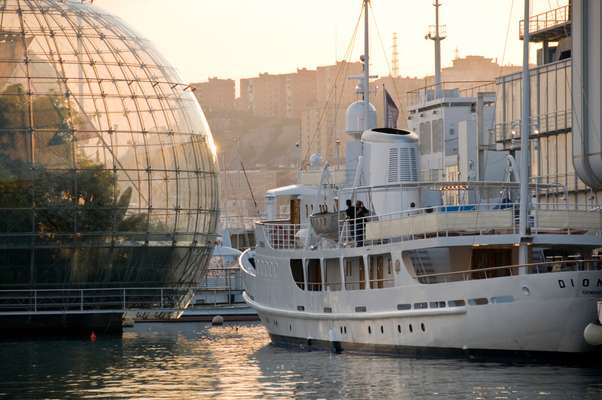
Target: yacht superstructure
{"x": 455, "y": 265}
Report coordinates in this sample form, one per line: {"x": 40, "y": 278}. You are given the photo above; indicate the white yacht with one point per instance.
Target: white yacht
{"x": 435, "y": 266}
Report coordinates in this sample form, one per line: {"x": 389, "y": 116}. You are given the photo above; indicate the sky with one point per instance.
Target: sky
{"x": 242, "y": 38}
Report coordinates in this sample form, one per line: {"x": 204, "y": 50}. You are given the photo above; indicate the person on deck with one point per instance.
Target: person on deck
{"x": 362, "y": 214}
{"x": 350, "y": 213}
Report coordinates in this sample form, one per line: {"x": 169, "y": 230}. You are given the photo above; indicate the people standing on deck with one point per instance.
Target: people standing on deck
{"x": 350, "y": 213}
{"x": 362, "y": 214}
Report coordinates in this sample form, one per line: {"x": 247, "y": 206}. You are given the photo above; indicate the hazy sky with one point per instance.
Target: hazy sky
{"x": 241, "y": 38}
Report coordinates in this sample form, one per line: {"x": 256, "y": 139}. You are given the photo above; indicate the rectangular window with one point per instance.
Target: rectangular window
{"x": 300, "y": 308}
{"x": 360, "y": 309}
{"x": 456, "y": 303}
{"x": 403, "y": 307}
{"x": 437, "y": 304}
{"x": 327, "y": 309}
{"x": 420, "y": 306}
{"x": 478, "y": 302}
{"x": 314, "y": 275}
{"x": 502, "y": 299}
{"x": 297, "y": 273}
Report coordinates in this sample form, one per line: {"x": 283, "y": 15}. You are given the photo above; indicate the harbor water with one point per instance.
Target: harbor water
{"x": 237, "y": 361}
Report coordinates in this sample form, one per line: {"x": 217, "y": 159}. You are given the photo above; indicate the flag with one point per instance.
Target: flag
{"x": 391, "y": 111}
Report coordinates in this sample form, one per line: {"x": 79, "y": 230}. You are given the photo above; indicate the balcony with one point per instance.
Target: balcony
{"x": 449, "y": 89}
{"x": 550, "y": 26}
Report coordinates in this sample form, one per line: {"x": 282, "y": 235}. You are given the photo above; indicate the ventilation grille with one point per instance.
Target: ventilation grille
{"x": 393, "y": 175}
{"x": 408, "y": 170}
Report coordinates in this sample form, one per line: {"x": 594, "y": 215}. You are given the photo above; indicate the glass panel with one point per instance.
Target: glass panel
{"x": 100, "y": 146}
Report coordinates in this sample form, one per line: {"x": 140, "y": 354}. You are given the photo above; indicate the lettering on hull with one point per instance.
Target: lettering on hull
{"x": 585, "y": 283}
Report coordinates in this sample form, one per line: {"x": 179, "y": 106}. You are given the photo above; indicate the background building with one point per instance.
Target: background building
{"x": 551, "y": 107}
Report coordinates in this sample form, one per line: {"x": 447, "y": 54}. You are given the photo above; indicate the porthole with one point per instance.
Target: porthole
{"x": 423, "y": 327}
{"x": 411, "y": 328}
{"x": 370, "y": 330}
{"x": 399, "y": 328}
{"x": 382, "y": 329}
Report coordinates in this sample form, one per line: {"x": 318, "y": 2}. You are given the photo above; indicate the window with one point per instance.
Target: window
{"x": 297, "y": 273}
{"x": 403, "y": 307}
{"x": 370, "y": 330}
{"x": 422, "y": 327}
{"x": 382, "y": 329}
{"x": 478, "y": 302}
{"x": 411, "y": 328}
{"x": 300, "y": 308}
{"x": 314, "y": 275}
{"x": 399, "y": 328}
{"x": 360, "y": 309}
{"x": 437, "y": 304}
{"x": 420, "y": 306}
{"x": 327, "y": 309}
{"x": 502, "y": 299}
{"x": 456, "y": 303}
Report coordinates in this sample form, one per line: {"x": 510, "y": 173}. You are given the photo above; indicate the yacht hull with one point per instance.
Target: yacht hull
{"x": 543, "y": 313}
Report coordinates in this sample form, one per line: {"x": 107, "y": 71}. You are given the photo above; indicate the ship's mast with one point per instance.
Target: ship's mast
{"x": 366, "y": 61}
{"x": 524, "y": 142}
{"x": 437, "y": 34}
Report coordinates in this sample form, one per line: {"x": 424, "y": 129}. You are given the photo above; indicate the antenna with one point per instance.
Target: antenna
{"x": 523, "y": 254}
{"x": 366, "y": 61}
{"x": 395, "y": 57}
{"x": 437, "y": 33}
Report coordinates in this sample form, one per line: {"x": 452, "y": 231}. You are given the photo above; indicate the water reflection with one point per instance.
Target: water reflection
{"x": 187, "y": 360}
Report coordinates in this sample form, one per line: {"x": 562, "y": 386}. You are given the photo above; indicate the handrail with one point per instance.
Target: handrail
{"x": 531, "y": 268}
{"x": 367, "y": 285}
{"x": 90, "y": 300}
{"x": 450, "y": 220}
{"x": 546, "y": 20}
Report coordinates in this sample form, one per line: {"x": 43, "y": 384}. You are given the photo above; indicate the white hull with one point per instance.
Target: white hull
{"x": 548, "y": 312}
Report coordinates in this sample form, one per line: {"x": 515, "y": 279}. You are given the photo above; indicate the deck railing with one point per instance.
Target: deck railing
{"x": 510, "y": 270}
{"x": 547, "y": 20}
{"x": 86, "y": 301}
{"x": 437, "y": 222}
{"x": 283, "y": 236}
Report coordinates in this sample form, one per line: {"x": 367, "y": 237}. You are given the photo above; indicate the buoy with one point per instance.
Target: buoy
{"x": 218, "y": 320}
{"x": 93, "y": 337}
{"x": 593, "y": 334}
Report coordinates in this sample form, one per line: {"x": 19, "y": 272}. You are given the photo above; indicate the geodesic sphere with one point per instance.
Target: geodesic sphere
{"x": 107, "y": 164}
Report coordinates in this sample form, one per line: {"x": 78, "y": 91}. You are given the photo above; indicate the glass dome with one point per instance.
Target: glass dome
{"x": 107, "y": 165}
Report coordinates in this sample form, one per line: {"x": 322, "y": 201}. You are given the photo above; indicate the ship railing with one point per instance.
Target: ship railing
{"x": 449, "y": 89}
{"x": 430, "y": 222}
{"x": 370, "y": 283}
{"x": 285, "y": 236}
{"x": 438, "y": 222}
{"x": 468, "y": 219}
{"x": 511, "y": 270}
{"x": 349, "y": 285}
{"x": 92, "y": 300}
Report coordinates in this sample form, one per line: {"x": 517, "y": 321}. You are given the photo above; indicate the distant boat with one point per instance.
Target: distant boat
{"x": 220, "y": 293}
